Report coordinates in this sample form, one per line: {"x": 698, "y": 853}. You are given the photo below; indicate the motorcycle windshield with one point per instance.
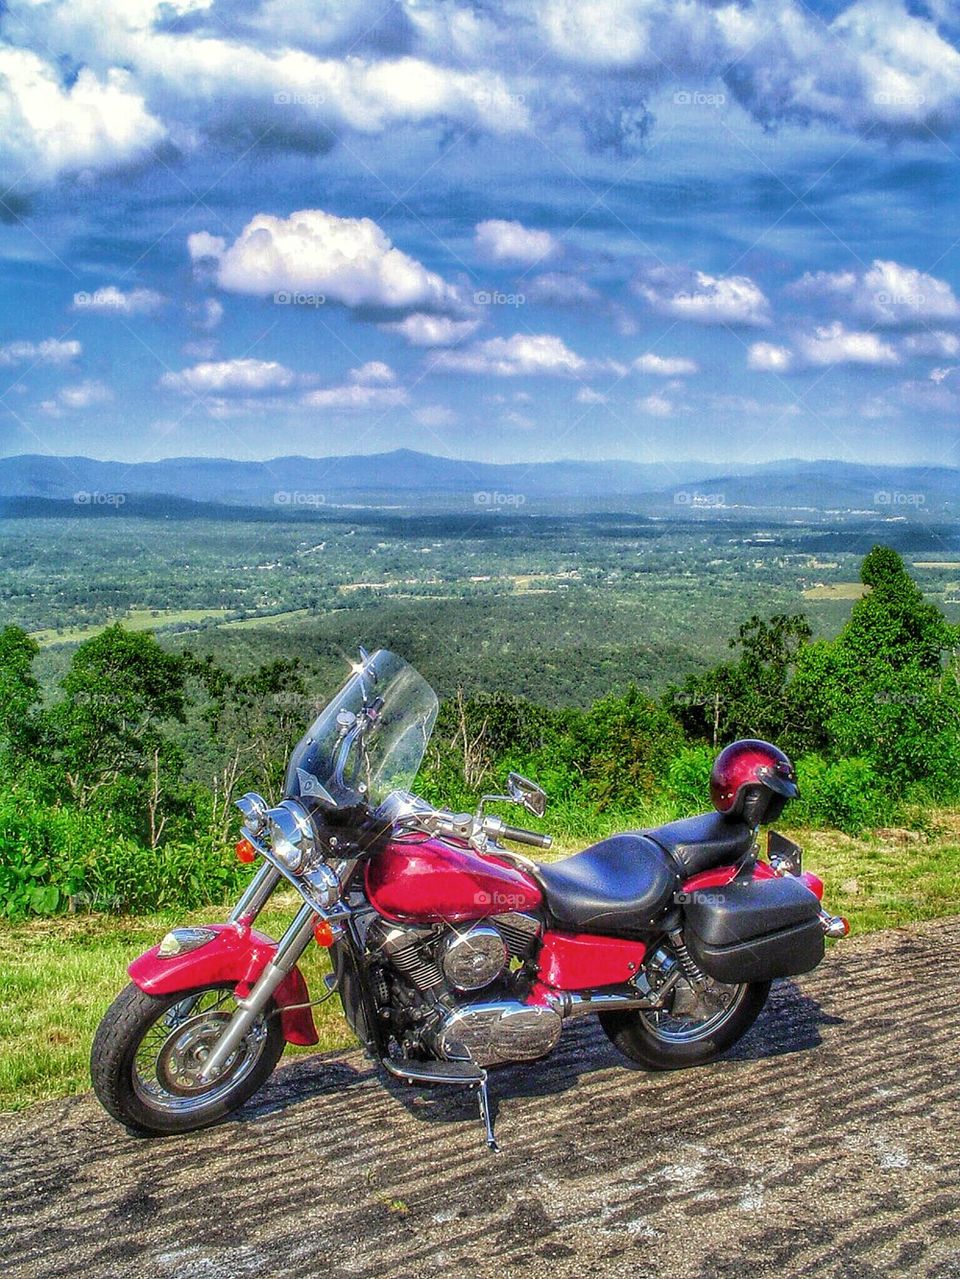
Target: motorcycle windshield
{"x": 370, "y": 740}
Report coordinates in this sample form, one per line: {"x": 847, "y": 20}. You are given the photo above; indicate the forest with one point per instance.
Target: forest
{"x": 120, "y": 765}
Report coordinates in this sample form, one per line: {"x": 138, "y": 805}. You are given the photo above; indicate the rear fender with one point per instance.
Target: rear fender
{"x": 720, "y": 876}
{"x": 235, "y": 956}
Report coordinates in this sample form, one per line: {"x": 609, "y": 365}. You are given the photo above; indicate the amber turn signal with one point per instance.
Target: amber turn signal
{"x": 245, "y": 851}
{"x": 323, "y": 933}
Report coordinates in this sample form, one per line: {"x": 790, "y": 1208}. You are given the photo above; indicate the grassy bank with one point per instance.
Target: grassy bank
{"x": 57, "y": 976}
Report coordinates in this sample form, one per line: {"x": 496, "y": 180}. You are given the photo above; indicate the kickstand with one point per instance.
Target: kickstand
{"x": 483, "y": 1101}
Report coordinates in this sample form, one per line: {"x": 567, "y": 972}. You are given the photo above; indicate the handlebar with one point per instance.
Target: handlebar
{"x": 517, "y": 835}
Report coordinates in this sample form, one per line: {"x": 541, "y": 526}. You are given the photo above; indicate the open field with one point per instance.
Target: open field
{"x": 137, "y": 619}
{"x": 836, "y": 591}
{"x": 58, "y": 976}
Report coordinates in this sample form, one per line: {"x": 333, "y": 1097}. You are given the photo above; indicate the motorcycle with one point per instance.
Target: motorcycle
{"x": 451, "y": 953}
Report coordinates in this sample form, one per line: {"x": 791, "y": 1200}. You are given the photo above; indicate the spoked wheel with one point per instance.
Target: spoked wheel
{"x": 699, "y": 1023}
{"x": 149, "y": 1051}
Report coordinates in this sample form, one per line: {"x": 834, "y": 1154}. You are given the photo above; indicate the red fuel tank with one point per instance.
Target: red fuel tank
{"x": 430, "y": 881}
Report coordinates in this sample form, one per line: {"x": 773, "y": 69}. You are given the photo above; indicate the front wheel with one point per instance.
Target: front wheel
{"x": 699, "y": 1025}
{"x": 149, "y": 1050}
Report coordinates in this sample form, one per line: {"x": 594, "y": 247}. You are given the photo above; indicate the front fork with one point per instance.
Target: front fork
{"x": 289, "y": 949}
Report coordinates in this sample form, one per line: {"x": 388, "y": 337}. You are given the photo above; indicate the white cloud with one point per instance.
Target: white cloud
{"x": 587, "y": 395}
{"x": 834, "y": 344}
{"x": 209, "y": 315}
{"x": 48, "y": 129}
{"x": 702, "y": 298}
{"x": 934, "y": 343}
{"x": 502, "y": 241}
{"x": 887, "y": 293}
{"x": 110, "y": 300}
{"x": 655, "y": 406}
{"x": 356, "y": 395}
{"x": 769, "y": 358}
{"x": 49, "y": 351}
{"x": 420, "y": 329}
{"x": 81, "y": 395}
{"x": 523, "y": 354}
{"x": 665, "y": 366}
{"x": 204, "y": 247}
{"x": 346, "y": 260}
{"x": 373, "y": 373}
{"x": 230, "y": 377}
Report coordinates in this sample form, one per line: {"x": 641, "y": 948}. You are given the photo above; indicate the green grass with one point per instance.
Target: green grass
{"x": 137, "y": 619}
{"x": 58, "y": 976}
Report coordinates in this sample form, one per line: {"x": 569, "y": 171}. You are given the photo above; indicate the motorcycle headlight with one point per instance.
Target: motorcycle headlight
{"x": 291, "y": 835}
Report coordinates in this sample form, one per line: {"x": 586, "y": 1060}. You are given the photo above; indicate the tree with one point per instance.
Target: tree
{"x": 19, "y": 692}
{"x": 121, "y": 692}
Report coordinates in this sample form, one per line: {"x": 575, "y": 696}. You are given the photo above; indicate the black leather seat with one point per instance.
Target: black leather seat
{"x": 700, "y": 843}
{"x": 620, "y": 886}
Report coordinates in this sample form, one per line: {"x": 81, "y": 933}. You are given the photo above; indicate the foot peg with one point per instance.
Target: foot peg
{"x": 466, "y": 1073}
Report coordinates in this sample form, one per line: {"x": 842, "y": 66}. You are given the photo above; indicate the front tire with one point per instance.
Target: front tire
{"x": 675, "y": 1039}
{"x": 149, "y": 1048}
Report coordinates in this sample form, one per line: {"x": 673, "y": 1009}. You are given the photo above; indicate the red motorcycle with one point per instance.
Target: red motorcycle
{"x": 451, "y": 953}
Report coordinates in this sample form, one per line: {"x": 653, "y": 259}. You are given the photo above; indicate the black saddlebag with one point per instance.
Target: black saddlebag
{"x": 754, "y": 929}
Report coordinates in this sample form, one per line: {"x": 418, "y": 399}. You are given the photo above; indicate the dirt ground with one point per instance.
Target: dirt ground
{"x": 827, "y": 1144}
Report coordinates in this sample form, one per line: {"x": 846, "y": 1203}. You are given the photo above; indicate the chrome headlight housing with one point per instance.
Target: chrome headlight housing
{"x": 291, "y": 835}
{"x": 255, "y": 812}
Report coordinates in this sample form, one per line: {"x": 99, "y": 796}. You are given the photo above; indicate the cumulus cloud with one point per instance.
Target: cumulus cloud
{"x": 665, "y": 366}
{"x": 834, "y": 344}
{"x": 230, "y": 377}
{"x": 523, "y": 354}
{"x": 300, "y": 76}
{"x": 935, "y": 342}
{"x": 49, "y": 127}
{"x": 502, "y": 241}
{"x": 704, "y": 299}
{"x": 346, "y": 260}
{"x": 587, "y": 395}
{"x": 769, "y": 358}
{"x": 49, "y": 351}
{"x": 420, "y": 329}
{"x": 110, "y": 300}
{"x": 561, "y": 288}
{"x": 887, "y": 293}
{"x": 81, "y": 395}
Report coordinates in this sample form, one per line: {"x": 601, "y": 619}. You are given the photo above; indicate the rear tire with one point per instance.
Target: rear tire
{"x": 138, "y": 1029}
{"x": 636, "y": 1036}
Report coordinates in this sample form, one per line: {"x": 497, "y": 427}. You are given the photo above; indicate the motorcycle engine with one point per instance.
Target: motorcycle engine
{"x": 443, "y": 964}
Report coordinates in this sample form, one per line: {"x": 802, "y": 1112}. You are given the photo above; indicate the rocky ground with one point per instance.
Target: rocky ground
{"x": 827, "y": 1144}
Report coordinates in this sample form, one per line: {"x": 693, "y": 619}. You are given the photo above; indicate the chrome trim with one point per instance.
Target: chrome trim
{"x": 834, "y": 926}
{"x": 254, "y": 809}
{"x": 291, "y": 946}
{"x": 256, "y": 894}
{"x": 314, "y": 899}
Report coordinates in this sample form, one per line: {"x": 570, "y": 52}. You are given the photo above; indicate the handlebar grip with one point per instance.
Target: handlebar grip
{"x": 519, "y": 836}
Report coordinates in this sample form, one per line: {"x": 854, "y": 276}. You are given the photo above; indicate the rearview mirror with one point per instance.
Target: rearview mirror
{"x": 529, "y": 794}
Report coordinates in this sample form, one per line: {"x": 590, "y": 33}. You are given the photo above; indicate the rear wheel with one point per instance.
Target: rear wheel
{"x": 149, "y": 1050}
{"x": 699, "y": 1024}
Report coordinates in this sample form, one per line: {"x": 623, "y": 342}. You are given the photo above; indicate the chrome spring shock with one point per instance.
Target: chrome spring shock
{"x": 688, "y": 966}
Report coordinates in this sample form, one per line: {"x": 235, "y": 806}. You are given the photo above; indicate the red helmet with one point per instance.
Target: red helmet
{"x": 752, "y": 780}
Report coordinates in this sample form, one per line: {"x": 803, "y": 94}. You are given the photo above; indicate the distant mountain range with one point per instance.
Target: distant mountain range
{"x": 408, "y": 480}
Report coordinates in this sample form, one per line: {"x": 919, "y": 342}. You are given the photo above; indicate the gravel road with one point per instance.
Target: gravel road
{"x": 827, "y": 1144}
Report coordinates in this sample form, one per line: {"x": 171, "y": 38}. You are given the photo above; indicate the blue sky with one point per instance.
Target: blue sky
{"x": 510, "y": 230}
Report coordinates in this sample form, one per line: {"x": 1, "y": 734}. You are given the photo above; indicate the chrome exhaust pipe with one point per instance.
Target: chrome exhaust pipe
{"x": 570, "y": 1003}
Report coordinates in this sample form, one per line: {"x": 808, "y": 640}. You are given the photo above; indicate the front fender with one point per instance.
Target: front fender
{"x": 236, "y": 956}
